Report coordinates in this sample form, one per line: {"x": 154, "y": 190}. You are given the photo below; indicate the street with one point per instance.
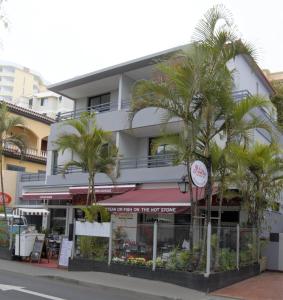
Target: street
{"x": 15, "y": 286}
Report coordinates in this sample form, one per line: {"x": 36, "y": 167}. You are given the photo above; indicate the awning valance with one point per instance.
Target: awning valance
{"x": 167, "y": 200}
{"x": 31, "y": 211}
{"x": 47, "y": 196}
{"x": 105, "y": 189}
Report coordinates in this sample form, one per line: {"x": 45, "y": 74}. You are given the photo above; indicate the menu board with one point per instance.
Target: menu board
{"x": 37, "y": 250}
{"x": 65, "y": 252}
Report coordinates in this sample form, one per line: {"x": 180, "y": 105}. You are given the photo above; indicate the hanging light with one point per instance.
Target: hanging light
{"x": 183, "y": 185}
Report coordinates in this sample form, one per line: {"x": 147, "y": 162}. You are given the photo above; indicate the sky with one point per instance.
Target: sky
{"x": 62, "y": 39}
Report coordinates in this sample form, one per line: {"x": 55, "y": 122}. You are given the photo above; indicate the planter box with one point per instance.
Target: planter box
{"x": 5, "y": 253}
{"x": 191, "y": 280}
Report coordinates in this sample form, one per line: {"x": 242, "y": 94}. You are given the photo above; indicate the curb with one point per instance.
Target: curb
{"x": 89, "y": 284}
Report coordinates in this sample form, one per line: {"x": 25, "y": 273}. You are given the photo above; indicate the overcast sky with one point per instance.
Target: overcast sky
{"x": 64, "y": 38}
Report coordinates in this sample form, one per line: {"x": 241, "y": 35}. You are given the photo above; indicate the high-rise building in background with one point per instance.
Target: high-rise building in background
{"x": 26, "y": 88}
{"x": 275, "y": 76}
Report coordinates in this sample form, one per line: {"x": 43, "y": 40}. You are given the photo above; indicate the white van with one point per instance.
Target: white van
{"x": 14, "y": 222}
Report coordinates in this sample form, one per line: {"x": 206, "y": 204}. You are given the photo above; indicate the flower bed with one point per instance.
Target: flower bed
{"x": 192, "y": 280}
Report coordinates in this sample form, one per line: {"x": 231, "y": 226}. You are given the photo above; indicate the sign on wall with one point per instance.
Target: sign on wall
{"x": 199, "y": 173}
{"x": 7, "y": 198}
{"x": 92, "y": 229}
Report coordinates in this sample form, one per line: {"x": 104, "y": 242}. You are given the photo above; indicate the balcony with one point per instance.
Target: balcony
{"x": 153, "y": 161}
{"x": 29, "y": 153}
{"x": 101, "y": 108}
{"x": 125, "y": 105}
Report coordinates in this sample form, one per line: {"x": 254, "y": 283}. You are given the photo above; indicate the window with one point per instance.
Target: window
{"x": 7, "y": 79}
{"x": 6, "y": 89}
{"x": 42, "y": 101}
{"x": 162, "y": 155}
{"x": 8, "y": 69}
{"x": 161, "y": 149}
{"x": 100, "y": 103}
{"x": 30, "y": 102}
{"x": 54, "y": 161}
{"x": 16, "y": 168}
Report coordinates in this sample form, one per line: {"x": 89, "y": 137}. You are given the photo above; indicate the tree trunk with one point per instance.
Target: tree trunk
{"x": 2, "y": 185}
{"x": 88, "y": 200}
{"x": 93, "y": 195}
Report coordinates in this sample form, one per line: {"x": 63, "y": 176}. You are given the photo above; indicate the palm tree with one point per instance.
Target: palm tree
{"x": 195, "y": 85}
{"x": 8, "y": 138}
{"x": 258, "y": 176}
{"x": 277, "y": 100}
{"x": 93, "y": 147}
{"x": 238, "y": 125}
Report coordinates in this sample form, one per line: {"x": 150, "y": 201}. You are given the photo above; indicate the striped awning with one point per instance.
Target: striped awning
{"x": 31, "y": 212}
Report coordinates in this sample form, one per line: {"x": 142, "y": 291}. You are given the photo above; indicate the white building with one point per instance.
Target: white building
{"x": 145, "y": 177}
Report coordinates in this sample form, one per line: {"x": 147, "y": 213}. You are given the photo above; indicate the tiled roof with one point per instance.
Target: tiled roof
{"x": 28, "y": 113}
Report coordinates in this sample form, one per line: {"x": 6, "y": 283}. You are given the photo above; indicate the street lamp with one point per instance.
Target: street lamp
{"x": 183, "y": 185}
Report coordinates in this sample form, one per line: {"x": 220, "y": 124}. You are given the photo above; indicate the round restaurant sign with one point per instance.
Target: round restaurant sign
{"x": 199, "y": 173}
{"x": 7, "y": 198}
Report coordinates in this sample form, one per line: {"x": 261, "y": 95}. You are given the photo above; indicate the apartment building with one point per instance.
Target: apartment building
{"x": 17, "y": 81}
{"x": 47, "y": 103}
{"x": 147, "y": 186}
{"x": 36, "y": 130}
{"x": 26, "y": 88}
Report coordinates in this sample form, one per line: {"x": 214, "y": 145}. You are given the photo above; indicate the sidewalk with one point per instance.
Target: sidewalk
{"x": 156, "y": 288}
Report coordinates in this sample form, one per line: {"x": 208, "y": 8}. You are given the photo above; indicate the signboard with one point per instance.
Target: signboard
{"x": 7, "y": 198}
{"x": 37, "y": 250}
{"x": 93, "y": 229}
{"x": 65, "y": 252}
{"x": 148, "y": 210}
{"x": 199, "y": 173}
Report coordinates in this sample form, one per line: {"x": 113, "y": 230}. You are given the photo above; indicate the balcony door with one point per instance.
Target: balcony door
{"x": 99, "y": 103}
{"x": 163, "y": 154}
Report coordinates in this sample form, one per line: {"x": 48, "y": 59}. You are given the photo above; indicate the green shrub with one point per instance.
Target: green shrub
{"x": 92, "y": 212}
{"x": 227, "y": 259}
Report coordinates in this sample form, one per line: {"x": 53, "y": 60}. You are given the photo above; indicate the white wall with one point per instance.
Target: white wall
{"x": 127, "y": 84}
{"x": 142, "y": 149}
{"x": 127, "y": 145}
{"x": 245, "y": 78}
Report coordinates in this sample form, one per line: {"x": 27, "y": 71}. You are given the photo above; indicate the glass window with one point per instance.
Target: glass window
{"x": 16, "y": 168}
{"x": 30, "y": 102}
{"x": 8, "y": 69}
{"x": 6, "y": 89}
{"x": 161, "y": 149}
{"x": 43, "y": 101}
{"x": 100, "y": 102}
{"x": 54, "y": 161}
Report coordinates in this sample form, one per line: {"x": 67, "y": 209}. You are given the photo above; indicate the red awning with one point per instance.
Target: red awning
{"x": 105, "y": 189}
{"x": 47, "y": 196}
{"x": 168, "y": 200}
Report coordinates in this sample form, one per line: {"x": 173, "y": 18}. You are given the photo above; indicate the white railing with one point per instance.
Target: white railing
{"x": 27, "y": 151}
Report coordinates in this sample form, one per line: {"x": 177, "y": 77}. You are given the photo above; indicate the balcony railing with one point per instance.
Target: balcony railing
{"x": 101, "y": 108}
{"x": 153, "y": 161}
{"x": 28, "y": 151}
{"x": 125, "y": 104}
{"x": 26, "y": 177}
{"x": 239, "y": 95}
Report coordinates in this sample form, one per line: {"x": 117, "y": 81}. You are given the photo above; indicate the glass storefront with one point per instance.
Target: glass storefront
{"x": 58, "y": 220}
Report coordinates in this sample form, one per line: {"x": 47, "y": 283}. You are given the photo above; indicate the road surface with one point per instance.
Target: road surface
{"x": 15, "y": 286}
